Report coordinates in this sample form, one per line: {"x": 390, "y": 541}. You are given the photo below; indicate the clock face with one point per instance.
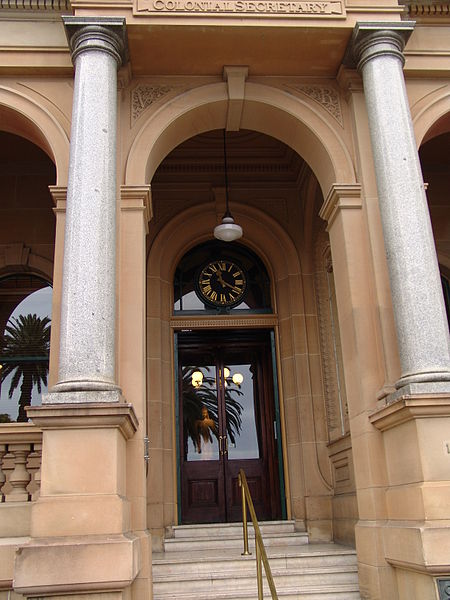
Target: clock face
{"x": 221, "y": 283}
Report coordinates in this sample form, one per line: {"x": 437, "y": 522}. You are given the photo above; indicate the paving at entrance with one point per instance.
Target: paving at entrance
{"x": 204, "y": 561}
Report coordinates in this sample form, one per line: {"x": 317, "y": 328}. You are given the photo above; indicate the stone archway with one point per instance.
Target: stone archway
{"x": 305, "y": 127}
{"x": 23, "y": 116}
{"x": 434, "y": 155}
{"x": 295, "y": 121}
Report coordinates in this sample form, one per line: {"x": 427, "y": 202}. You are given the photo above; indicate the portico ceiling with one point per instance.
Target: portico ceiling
{"x": 253, "y": 159}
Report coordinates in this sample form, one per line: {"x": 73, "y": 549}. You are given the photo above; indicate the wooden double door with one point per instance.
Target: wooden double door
{"x": 227, "y": 421}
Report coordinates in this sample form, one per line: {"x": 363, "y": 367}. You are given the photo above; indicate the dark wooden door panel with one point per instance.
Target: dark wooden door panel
{"x": 226, "y": 423}
{"x": 203, "y": 495}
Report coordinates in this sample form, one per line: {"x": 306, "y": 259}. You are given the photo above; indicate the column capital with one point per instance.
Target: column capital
{"x": 373, "y": 39}
{"x": 105, "y": 34}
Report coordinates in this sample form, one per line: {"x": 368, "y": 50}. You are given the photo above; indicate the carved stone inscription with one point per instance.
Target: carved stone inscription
{"x": 234, "y": 7}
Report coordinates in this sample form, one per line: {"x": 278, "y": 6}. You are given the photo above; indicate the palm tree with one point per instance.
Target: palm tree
{"x": 198, "y": 400}
{"x": 24, "y": 352}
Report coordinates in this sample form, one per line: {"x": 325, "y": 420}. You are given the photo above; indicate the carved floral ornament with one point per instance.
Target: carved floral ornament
{"x": 145, "y": 95}
{"x": 327, "y": 97}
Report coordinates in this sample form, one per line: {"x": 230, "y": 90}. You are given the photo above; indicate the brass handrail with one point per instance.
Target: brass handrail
{"x": 261, "y": 555}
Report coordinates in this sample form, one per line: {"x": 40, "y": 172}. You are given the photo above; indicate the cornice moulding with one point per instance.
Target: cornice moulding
{"x": 408, "y": 408}
{"x": 86, "y": 416}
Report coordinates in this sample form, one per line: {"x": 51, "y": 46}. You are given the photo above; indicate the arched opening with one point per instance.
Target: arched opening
{"x": 275, "y": 197}
{"x": 435, "y": 161}
{"x": 27, "y": 234}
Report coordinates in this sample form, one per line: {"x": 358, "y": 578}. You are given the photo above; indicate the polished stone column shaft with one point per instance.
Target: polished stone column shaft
{"x": 419, "y": 310}
{"x": 87, "y": 340}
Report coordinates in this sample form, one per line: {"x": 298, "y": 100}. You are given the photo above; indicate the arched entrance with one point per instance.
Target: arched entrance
{"x": 275, "y": 197}
{"x": 26, "y": 271}
{"x": 434, "y": 156}
{"x": 279, "y": 237}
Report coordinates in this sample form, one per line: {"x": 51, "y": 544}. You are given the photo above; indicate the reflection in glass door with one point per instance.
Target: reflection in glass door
{"x": 226, "y": 423}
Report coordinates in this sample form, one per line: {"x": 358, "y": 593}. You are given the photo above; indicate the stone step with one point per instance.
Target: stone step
{"x": 203, "y": 563}
{"x": 323, "y": 592}
{"x": 301, "y": 579}
{"x": 191, "y": 544}
{"x": 231, "y": 529}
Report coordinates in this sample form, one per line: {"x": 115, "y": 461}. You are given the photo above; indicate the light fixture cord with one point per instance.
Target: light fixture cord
{"x": 227, "y": 210}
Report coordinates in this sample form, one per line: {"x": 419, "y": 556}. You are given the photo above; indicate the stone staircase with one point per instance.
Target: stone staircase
{"x": 204, "y": 562}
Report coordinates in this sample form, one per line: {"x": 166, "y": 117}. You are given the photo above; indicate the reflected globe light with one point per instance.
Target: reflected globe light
{"x": 238, "y": 378}
{"x": 197, "y": 379}
{"x": 226, "y": 372}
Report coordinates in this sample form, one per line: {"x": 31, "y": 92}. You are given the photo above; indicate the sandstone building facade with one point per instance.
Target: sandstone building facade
{"x": 116, "y": 118}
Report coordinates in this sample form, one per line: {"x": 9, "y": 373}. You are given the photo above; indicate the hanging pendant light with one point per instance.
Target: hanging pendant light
{"x": 228, "y": 230}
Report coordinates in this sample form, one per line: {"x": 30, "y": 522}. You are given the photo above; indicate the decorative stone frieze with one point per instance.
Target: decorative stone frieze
{"x": 224, "y": 322}
{"x": 327, "y": 97}
{"x": 334, "y": 386}
{"x": 425, "y": 9}
{"x": 144, "y": 95}
{"x": 41, "y": 5}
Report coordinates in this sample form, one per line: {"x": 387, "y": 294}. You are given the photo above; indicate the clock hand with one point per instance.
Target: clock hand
{"x": 233, "y": 287}
{"x": 220, "y": 278}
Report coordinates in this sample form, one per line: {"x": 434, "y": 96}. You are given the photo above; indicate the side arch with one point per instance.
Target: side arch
{"x": 292, "y": 120}
{"x": 22, "y": 116}
{"x": 429, "y": 111}
{"x": 17, "y": 257}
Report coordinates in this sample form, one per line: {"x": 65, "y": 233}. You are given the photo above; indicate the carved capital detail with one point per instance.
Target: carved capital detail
{"x": 104, "y": 34}
{"x": 327, "y": 97}
{"x": 144, "y": 95}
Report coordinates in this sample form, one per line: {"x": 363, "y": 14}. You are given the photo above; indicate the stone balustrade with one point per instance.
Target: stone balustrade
{"x": 20, "y": 462}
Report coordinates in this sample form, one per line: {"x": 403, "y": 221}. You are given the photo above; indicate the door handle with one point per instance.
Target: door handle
{"x": 223, "y": 445}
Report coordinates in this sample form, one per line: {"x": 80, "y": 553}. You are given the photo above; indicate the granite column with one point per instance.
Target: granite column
{"x": 419, "y": 311}
{"x": 81, "y": 537}
{"x": 87, "y": 339}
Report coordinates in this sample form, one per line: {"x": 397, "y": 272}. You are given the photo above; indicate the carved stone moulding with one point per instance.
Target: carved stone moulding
{"x": 46, "y": 5}
{"x": 326, "y": 96}
{"x": 418, "y": 10}
{"x": 224, "y": 322}
{"x": 144, "y": 95}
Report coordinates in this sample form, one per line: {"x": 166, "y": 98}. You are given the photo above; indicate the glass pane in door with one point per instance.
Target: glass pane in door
{"x": 200, "y": 413}
{"x": 240, "y": 386}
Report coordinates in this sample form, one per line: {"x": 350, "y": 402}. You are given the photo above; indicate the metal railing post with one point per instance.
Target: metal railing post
{"x": 261, "y": 556}
{"x": 244, "y": 518}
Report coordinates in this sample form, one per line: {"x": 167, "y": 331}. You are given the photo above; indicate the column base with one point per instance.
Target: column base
{"x": 78, "y": 564}
{"x": 427, "y": 388}
{"x": 84, "y": 395}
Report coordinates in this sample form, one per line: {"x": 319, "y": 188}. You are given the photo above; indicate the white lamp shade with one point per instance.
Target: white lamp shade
{"x": 228, "y": 230}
